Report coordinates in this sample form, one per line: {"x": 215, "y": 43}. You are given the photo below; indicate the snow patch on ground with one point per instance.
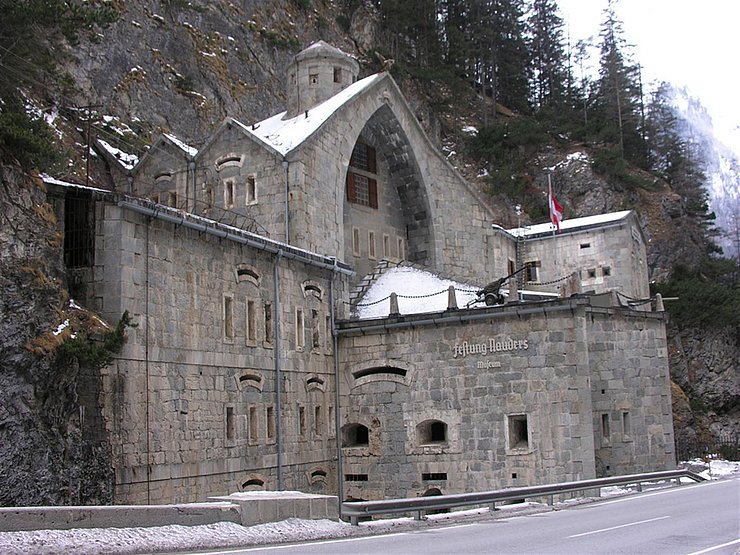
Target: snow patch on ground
{"x": 418, "y": 291}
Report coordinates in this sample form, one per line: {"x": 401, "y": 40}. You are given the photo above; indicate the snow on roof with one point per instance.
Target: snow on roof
{"x": 569, "y": 225}
{"x": 191, "y": 151}
{"x": 428, "y": 290}
{"x": 53, "y": 181}
{"x": 128, "y": 161}
{"x": 283, "y": 135}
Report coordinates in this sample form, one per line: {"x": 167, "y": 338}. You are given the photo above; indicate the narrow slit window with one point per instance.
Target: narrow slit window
{"x": 626, "y": 426}
{"x": 253, "y": 424}
{"x": 268, "y": 322}
{"x": 401, "y": 248}
{"x": 251, "y": 321}
{"x": 386, "y": 246}
{"x": 355, "y": 241}
{"x": 270, "y": 415}
{"x": 315, "y": 331}
{"x": 318, "y": 420}
{"x": 605, "y": 431}
{"x": 251, "y": 190}
{"x": 229, "y": 194}
{"x": 228, "y": 318}
{"x": 300, "y": 338}
{"x": 301, "y": 421}
{"x": 371, "y": 245}
{"x": 230, "y": 423}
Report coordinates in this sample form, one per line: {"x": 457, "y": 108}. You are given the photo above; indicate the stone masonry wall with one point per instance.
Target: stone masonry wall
{"x": 518, "y": 416}
{"x": 605, "y": 259}
{"x": 633, "y": 420}
{"x": 190, "y": 403}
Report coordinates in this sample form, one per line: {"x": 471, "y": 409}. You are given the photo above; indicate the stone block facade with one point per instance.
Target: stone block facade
{"x": 245, "y": 372}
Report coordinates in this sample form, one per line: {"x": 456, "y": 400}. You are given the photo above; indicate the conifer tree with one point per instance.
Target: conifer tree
{"x": 549, "y": 62}
{"x": 618, "y": 91}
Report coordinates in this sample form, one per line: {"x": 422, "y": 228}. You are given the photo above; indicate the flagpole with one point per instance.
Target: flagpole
{"x": 549, "y": 199}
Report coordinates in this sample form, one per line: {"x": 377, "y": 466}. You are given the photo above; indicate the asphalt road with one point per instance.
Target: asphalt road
{"x": 688, "y": 520}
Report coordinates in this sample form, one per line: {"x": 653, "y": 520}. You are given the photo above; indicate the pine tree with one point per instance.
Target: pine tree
{"x": 550, "y": 75}
{"x": 617, "y": 106}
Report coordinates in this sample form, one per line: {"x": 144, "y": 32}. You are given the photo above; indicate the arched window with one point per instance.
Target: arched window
{"x": 355, "y": 435}
{"x": 431, "y": 431}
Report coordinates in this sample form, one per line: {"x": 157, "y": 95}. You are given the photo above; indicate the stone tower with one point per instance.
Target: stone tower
{"x": 316, "y": 74}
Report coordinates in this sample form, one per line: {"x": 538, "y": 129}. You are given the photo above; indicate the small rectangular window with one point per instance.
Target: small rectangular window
{"x": 592, "y": 273}
{"x": 434, "y": 476}
{"x": 530, "y": 273}
{"x": 518, "y": 431}
{"x": 300, "y": 338}
{"x": 251, "y": 321}
{"x": 155, "y": 198}
{"x": 386, "y": 246}
{"x": 606, "y": 270}
{"x": 172, "y": 199}
{"x": 355, "y": 478}
{"x": 253, "y": 424}
{"x": 228, "y": 317}
{"x": 337, "y": 74}
{"x": 251, "y": 190}
{"x": 270, "y": 414}
{"x": 511, "y": 266}
{"x": 332, "y": 424}
{"x": 328, "y": 333}
{"x": 371, "y": 245}
{"x": 230, "y": 423}
{"x": 401, "y": 248}
{"x": 585, "y": 245}
{"x": 313, "y": 78}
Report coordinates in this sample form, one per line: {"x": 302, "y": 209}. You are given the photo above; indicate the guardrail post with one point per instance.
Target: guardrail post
{"x": 550, "y": 500}
{"x": 639, "y": 486}
{"x": 493, "y": 507}
{"x": 419, "y": 515}
{"x": 354, "y": 521}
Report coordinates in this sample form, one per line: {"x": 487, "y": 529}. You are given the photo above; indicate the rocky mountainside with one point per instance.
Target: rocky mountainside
{"x": 181, "y": 66}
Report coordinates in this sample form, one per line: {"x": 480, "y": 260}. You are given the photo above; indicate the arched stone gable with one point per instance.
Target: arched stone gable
{"x": 432, "y": 191}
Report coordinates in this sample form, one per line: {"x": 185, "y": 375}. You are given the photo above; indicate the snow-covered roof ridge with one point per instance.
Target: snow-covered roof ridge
{"x": 189, "y": 150}
{"x": 285, "y": 135}
{"x": 572, "y": 224}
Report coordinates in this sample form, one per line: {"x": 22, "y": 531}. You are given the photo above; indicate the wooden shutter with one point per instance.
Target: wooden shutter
{"x": 372, "y": 193}
{"x": 372, "y": 166}
{"x": 351, "y": 194}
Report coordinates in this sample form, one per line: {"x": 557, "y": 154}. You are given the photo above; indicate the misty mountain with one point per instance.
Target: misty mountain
{"x": 720, "y": 165}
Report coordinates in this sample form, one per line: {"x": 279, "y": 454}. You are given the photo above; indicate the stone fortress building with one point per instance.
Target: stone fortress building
{"x": 245, "y": 265}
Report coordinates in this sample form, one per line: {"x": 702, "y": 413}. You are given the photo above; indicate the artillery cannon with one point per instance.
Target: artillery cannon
{"x": 491, "y": 293}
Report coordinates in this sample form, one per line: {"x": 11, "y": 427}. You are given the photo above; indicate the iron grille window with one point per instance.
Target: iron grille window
{"x": 79, "y": 230}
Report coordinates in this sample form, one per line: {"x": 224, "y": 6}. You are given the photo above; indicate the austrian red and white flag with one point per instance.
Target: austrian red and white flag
{"x": 556, "y": 211}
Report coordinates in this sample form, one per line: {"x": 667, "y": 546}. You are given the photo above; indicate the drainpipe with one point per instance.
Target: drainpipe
{"x": 286, "y": 165}
{"x": 337, "y": 417}
{"x": 278, "y": 377}
{"x": 191, "y": 165}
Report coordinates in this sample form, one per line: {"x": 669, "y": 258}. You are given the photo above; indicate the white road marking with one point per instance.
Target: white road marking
{"x": 620, "y": 526}
{"x": 708, "y": 549}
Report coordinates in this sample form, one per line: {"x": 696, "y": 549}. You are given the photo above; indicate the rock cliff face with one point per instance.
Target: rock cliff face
{"x": 52, "y": 449}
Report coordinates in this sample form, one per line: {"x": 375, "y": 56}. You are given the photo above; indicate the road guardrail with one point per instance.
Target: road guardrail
{"x": 356, "y": 510}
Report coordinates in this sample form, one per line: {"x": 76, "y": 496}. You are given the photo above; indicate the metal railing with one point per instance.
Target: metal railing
{"x": 356, "y": 510}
